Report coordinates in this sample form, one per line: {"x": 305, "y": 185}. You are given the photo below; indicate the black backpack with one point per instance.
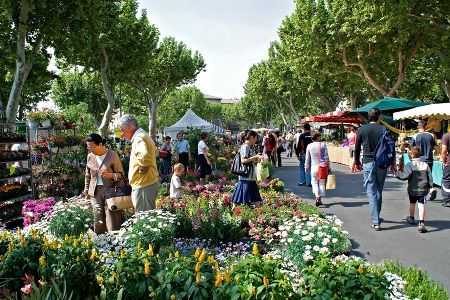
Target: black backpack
{"x": 238, "y": 168}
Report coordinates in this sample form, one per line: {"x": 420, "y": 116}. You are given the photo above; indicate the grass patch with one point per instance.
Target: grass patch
{"x": 418, "y": 283}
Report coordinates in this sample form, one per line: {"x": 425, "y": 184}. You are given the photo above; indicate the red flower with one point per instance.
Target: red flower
{"x": 237, "y": 211}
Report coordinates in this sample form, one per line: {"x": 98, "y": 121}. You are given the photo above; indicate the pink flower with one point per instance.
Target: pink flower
{"x": 27, "y": 289}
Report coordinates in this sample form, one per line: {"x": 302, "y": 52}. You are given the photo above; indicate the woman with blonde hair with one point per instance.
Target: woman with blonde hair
{"x": 317, "y": 162}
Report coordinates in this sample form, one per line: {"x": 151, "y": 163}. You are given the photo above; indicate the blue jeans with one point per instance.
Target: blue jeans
{"x": 373, "y": 184}
{"x": 304, "y": 177}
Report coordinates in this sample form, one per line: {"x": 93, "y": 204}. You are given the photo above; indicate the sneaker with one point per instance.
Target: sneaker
{"x": 410, "y": 220}
{"x": 301, "y": 184}
{"x": 421, "y": 228}
{"x": 376, "y": 227}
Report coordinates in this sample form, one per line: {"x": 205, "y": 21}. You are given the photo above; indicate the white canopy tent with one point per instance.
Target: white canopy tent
{"x": 437, "y": 111}
{"x": 191, "y": 120}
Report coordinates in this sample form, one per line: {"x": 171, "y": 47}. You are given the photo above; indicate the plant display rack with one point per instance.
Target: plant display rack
{"x": 56, "y": 165}
{"x": 16, "y": 180}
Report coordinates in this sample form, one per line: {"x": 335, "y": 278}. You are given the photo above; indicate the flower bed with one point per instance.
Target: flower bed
{"x": 199, "y": 247}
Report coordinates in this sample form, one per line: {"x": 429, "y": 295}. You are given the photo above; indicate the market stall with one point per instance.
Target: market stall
{"x": 334, "y": 126}
{"x": 436, "y": 116}
{"x": 191, "y": 120}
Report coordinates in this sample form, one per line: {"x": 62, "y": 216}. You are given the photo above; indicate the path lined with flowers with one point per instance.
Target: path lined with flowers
{"x": 398, "y": 240}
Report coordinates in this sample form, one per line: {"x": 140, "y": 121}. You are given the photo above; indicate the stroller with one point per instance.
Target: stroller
{"x": 446, "y": 186}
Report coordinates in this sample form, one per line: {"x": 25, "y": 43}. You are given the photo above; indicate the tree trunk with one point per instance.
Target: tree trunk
{"x": 152, "y": 110}
{"x": 447, "y": 88}
{"x": 353, "y": 102}
{"x": 107, "y": 88}
{"x": 291, "y": 106}
{"x": 22, "y": 67}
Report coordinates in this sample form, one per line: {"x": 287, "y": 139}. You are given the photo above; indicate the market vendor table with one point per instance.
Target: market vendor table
{"x": 438, "y": 170}
{"x": 339, "y": 154}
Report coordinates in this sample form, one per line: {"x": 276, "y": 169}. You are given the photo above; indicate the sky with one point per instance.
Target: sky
{"x": 232, "y": 35}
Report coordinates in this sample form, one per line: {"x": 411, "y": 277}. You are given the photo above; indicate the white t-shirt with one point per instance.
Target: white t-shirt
{"x": 201, "y": 147}
{"x": 175, "y": 187}
{"x": 99, "y": 162}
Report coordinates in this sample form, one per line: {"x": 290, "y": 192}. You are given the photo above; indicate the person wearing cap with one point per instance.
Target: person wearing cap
{"x": 426, "y": 142}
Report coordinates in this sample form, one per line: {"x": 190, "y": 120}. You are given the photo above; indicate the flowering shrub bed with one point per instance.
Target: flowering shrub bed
{"x": 155, "y": 227}
{"x": 69, "y": 219}
{"x": 307, "y": 238}
{"x": 197, "y": 247}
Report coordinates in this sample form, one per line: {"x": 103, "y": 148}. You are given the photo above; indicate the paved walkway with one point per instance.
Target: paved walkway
{"x": 398, "y": 240}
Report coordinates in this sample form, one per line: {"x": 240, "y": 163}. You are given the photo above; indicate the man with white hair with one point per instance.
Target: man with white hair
{"x": 143, "y": 172}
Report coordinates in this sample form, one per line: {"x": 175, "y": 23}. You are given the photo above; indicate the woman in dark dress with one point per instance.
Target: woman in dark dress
{"x": 247, "y": 191}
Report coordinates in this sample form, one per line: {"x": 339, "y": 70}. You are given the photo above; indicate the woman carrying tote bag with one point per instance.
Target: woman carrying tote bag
{"x": 103, "y": 171}
{"x": 317, "y": 162}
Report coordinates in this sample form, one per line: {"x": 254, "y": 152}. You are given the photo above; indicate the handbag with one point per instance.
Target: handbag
{"x": 331, "y": 182}
{"x": 119, "y": 197}
{"x": 322, "y": 172}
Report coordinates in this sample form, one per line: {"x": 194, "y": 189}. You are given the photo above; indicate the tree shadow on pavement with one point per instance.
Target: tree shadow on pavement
{"x": 347, "y": 204}
{"x": 437, "y": 225}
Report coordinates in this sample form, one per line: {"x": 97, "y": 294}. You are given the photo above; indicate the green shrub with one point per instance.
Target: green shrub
{"x": 418, "y": 283}
{"x": 72, "y": 260}
{"x": 305, "y": 239}
{"x": 70, "y": 220}
{"x": 343, "y": 279}
{"x": 155, "y": 227}
{"x": 20, "y": 258}
{"x": 131, "y": 276}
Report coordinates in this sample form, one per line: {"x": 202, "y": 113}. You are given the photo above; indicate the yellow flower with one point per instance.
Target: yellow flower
{"x": 360, "y": 269}
{"x": 219, "y": 279}
{"x": 203, "y": 255}
{"x": 100, "y": 280}
{"x": 150, "y": 250}
{"x": 197, "y": 253}
{"x": 197, "y": 267}
{"x": 173, "y": 297}
{"x": 177, "y": 254}
{"x": 93, "y": 255}
{"x": 66, "y": 237}
{"x": 265, "y": 281}
{"x": 139, "y": 249}
{"x": 255, "y": 249}
{"x": 122, "y": 253}
{"x": 42, "y": 261}
{"x": 10, "y": 247}
{"x": 253, "y": 291}
{"x": 227, "y": 277}
{"x": 146, "y": 268}
{"x": 198, "y": 278}
{"x": 1, "y": 257}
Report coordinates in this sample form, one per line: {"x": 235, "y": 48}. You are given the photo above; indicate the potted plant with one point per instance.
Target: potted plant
{"x": 35, "y": 118}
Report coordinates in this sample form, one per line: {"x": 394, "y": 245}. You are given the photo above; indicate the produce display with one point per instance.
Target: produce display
{"x": 13, "y": 171}
{"x": 11, "y": 137}
{"x": 12, "y": 190}
{"x": 6, "y": 156}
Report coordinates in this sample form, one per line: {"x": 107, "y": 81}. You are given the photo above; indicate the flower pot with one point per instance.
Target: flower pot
{"x": 32, "y": 124}
{"x": 46, "y": 123}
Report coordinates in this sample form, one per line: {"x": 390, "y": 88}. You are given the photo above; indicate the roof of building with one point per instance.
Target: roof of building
{"x": 209, "y": 97}
{"x": 230, "y": 101}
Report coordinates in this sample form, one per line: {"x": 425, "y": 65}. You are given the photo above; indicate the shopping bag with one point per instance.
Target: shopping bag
{"x": 262, "y": 171}
{"x": 331, "y": 182}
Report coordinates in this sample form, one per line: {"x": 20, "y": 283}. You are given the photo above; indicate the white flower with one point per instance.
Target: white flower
{"x": 334, "y": 240}
{"x": 290, "y": 240}
{"x": 307, "y": 257}
{"x": 316, "y": 248}
{"x": 307, "y": 238}
{"x": 323, "y": 250}
{"x": 305, "y": 232}
{"x": 284, "y": 234}
{"x": 325, "y": 241}
{"x": 308, "y": 247}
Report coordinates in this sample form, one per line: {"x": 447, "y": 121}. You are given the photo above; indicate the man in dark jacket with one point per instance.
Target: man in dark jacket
{"x": 303, "y": 141}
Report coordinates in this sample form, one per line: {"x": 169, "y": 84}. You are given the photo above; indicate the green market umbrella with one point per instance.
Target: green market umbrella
{"x": 389, "y": 104}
